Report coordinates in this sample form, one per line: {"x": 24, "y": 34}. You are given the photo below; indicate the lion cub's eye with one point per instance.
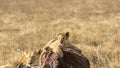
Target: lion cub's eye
{"x": 33, "y": 56}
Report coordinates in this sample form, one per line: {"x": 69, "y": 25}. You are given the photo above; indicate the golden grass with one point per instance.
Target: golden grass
{"x": 94, "y": 27}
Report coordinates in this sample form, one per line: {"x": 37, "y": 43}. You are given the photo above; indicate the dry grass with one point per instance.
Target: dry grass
{"x": 27, "y": 25}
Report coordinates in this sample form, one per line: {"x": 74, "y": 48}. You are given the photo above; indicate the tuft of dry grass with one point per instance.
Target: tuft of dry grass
{"x": 28, "y": 25}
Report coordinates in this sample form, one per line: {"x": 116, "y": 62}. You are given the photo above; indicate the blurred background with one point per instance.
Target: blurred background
{"x": 94, "y": 26}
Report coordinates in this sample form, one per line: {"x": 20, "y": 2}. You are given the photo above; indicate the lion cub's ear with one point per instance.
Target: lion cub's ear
{"x": 67, "y": 34}
{"x": 58, "y": 34}
{"x": 26, "y": 53}
{"x": 39, "y": 51}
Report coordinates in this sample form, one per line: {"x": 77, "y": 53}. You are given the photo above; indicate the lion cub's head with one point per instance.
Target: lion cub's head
{"x": 63, "y": 37}
{"x": 32, "y": 57}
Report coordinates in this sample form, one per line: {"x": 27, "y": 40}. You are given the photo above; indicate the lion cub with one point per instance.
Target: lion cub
{"x": 57, "y": 45}
{"x": 23, "y": 62}
{"x": 63, "y": 37}
{"x": 52, "y": 46}
{"x": 34, "y": 58}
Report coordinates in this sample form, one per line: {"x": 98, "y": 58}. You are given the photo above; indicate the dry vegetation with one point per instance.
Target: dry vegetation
{"x": 94, "y": 26}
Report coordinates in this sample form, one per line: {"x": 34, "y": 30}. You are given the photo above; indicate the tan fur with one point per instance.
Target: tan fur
{"x": 64, "y": 38}
{"x": 14, "y": 65}
{"x": 45, "y": 50}
{"x": 54, "y": 46}
{"x": 34, "y": 61}
{"x": 25, "y": 60}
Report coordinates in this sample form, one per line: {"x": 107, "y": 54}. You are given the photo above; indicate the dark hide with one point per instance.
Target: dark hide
{"x": 72, "y": 59}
